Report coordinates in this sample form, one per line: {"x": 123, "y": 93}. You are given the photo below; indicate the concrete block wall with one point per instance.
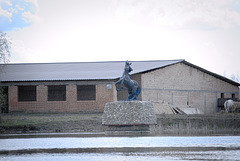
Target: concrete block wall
{"x": 183, "y": 85}
{"x": 104, "y": 94}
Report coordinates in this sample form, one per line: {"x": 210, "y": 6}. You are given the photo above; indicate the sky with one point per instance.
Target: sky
{"x": 203, "y": 32}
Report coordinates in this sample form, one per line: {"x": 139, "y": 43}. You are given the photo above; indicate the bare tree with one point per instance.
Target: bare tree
{"x": 235, "y": 77}
{"x": 5, "y": 46}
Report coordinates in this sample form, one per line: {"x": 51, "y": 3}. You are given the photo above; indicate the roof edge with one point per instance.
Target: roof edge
{"x": 177, "y": 61}
{"x": 90, "y": 62}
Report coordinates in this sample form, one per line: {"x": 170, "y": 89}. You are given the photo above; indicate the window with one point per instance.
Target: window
{"x": 27, "y": 93}
{"x": 86, "y": 92}
{"x": 233, "y": 95}
{"x": 57, "y": 93}
{"x": 222, "y": 95}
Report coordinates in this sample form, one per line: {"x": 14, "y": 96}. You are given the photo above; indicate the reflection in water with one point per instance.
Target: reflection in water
{"x": 121, "y": 148}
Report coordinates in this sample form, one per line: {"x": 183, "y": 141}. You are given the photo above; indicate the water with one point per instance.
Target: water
{"x": 121, "y": 148}
{"x": 215, "y": 155}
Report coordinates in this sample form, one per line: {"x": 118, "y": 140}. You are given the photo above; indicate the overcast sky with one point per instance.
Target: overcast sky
{"x": 203, "y": 32}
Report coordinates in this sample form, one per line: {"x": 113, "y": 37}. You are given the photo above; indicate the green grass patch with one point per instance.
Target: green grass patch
{"x": 42, "y": 119}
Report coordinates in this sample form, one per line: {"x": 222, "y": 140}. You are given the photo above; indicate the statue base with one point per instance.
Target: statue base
{"x": 128, "y": 117}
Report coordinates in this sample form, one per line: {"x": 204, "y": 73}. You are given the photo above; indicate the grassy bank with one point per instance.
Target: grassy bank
{"x": 185, "y": 125}
{"x": 218, "y": 124}
{"x": 23, "y": 123}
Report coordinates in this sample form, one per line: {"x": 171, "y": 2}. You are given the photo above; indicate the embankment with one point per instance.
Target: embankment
{"x": 15, "y": 123}
{"x": 218, "y": 124}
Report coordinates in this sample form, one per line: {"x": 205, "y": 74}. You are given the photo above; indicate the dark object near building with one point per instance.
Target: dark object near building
{"x": 132, "y": 85}
{"x": 4, "y": 99}
{"x": 221, "y": 101}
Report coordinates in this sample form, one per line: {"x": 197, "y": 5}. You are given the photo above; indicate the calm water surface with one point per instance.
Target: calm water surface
{"x": 122, "y": 148}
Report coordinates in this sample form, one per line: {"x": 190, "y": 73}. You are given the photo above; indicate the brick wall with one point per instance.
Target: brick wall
{"x": 182, "y": 85}
{"x": 105, "y": 92}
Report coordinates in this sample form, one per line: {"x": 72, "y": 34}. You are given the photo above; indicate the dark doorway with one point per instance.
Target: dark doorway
{"x": 4, "y": 99}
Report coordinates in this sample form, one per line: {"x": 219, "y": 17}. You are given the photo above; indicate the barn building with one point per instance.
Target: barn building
{"x": 87, "y": 86}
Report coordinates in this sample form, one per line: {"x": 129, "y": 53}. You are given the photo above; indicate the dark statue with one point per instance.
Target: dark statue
{"x": 132, "y": 85}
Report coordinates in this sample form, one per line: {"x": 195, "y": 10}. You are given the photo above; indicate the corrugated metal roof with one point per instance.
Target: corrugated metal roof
{"x": 85, "y": 70}
{"x": 75, "y": 70}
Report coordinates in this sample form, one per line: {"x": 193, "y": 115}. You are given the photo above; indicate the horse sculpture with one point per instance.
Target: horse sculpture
{"x": 132, "y": 85}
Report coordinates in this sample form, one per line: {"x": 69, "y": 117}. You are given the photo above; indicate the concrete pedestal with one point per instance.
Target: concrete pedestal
{"x": 128, "y": 116}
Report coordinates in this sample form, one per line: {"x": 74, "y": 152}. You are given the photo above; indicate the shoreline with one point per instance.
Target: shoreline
{"x": 90, "y": 124}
